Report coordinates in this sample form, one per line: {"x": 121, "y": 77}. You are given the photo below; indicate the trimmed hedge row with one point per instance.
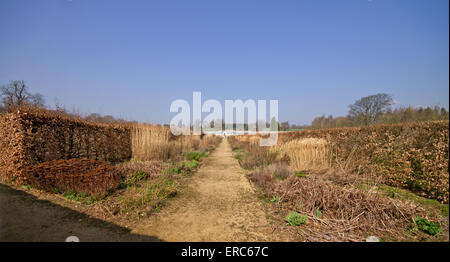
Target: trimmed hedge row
{"x": 32, "y": 136}
{"x": 410, "y": 155}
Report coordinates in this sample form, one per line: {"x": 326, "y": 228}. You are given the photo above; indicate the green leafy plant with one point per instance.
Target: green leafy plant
{"x": 295, "y": 219}
{"x": 83, "y": 197}
{"x": 275, "y": 199}
{"x": 195, "y": 155}
{"x": 427, "y": 226}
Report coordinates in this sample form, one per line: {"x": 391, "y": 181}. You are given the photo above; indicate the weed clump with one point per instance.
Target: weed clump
{"x": 295, "y": 219}
{"x": 427, "y": 226}
{"x": 135, "y": 177}
{"x": 195, "y": 155}
{"x": 275, "y": 199}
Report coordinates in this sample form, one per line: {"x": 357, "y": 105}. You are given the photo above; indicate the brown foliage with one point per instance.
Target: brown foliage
{"x": 81, "y": 175}
{"x": 29, "y": 136}
{"x": 411, "y": 155}
{"x": 255, "y": 155}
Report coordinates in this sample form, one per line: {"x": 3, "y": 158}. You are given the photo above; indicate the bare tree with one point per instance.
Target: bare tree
{"x": 285, "y": 126}
{"x": 15, "y": 93}
{"x": 369, "y": 109}
{"x": 37, "y": 100}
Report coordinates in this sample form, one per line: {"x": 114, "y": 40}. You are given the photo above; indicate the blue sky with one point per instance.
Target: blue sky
{"x": 131, "y": 59}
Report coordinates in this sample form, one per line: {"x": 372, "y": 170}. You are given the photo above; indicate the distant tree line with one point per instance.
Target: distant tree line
{"x": 376, "y": 109}
{"x": 16, "y": 94}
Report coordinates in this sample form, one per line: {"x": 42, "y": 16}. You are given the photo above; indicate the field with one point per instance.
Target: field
{"x": 138, "y": 182}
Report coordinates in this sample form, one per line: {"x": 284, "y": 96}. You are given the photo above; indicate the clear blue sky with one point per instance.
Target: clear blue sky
{"x": 131, "y": 59}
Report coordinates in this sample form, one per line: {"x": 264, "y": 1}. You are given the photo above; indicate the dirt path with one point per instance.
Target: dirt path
{"x": 219, "y": 205}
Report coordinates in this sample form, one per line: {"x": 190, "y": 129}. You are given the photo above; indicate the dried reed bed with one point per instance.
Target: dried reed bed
{"x": 306, "y": 154}
{"x": 151, "y": 142}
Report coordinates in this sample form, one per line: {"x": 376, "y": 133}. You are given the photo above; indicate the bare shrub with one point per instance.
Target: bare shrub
{"x": 263, "y": 179}
{"x": 150, "y": 168}
{"x": 258, "y": 157}
{"x": 208, "y": 142}
{"x": 280, "y": 170}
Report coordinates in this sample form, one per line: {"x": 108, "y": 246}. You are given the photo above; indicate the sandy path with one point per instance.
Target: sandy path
{"x": 219, "y": 205}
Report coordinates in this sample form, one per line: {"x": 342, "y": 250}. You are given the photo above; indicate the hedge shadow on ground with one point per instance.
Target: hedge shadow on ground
{"x": 25, "y": 218}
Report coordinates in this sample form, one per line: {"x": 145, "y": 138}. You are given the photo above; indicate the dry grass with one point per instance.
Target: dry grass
{"x": 307, "y": 154}
{"x": 150, "y": 168}
{"x": 152, "y": 142}
{"x": 157, "y": 143}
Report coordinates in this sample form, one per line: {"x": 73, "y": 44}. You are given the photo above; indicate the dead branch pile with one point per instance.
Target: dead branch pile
{"x": 347, "y": 213}
{"x": 80, "y": 175}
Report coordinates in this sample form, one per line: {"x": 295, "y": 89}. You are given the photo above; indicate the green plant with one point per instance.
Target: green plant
{"x": 26, "y": 187}
{"x": 135, "y": 177}
{"x": 195, "y": 155}
{"x": 399, "y": 193}
{"x": 300, "y": 205}
{"x": 83, "y": 197}
{"x": 174, "y": 170}
{"x": 190, "y": 164}
{"x": 317, "y": 213}
{"x": 427, "y": 226}
{"x": 239, "y": 154}
{"x": 295, "y": 219}
{"x": 275, "y": 199}
{"x": 57, "y": 190}
{"x": 299, "y": 174}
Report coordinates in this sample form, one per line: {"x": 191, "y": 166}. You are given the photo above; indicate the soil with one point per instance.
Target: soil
{"x": 219, "y": 204}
